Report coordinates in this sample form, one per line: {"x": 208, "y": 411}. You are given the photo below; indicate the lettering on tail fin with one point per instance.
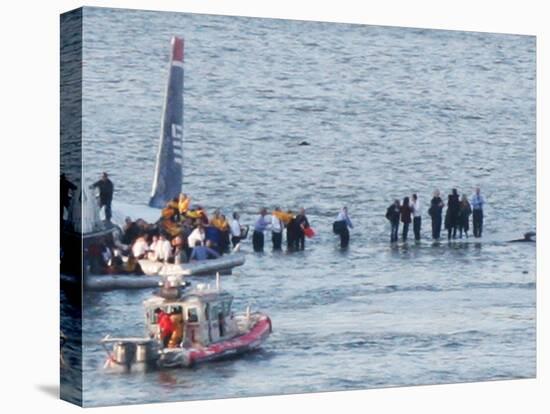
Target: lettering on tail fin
{"x": 168, "y": 176}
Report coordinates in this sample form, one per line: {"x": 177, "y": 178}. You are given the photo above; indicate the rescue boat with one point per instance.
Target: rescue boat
{"x": 204, "y": 328}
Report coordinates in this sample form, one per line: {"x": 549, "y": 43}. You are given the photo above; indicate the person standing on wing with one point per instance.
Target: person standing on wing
{"x": 406, "y": 213}
{"x": 301, "y": 224}
{"x": 106, "y": 189}
{"x": 235, "y": 229}
{"x": 417, "y": 216}
{"x": 435, "y": 211}
{"x": 259, "y": 227}
{"x": 477, "y": 203}
{"x": 464, "y": 216}
{"x": 451, "y": 217}
{"x": 277, "y": 227}
{"x": 392, "y": 214}
{"x": 341, "y": 225}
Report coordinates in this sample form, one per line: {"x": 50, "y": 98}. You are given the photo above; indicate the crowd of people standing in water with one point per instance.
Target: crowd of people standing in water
{"x": 296, "y": 225}
{"x": 185, "y": 233}
{"x": 457, "y": 216}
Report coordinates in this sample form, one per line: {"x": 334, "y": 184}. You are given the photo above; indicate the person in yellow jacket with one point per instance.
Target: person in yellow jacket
{"x": 177, "y": 333}
{"x": 170, "y": 227}
{"x": 198, "y": 214}
{"x": 183, "y": 203}
{"x": 225, "y": 223}
{"x": 225, "y": 228}
{"x": 170, "y": 211}
{"x": 218, "y": 221}
{"x": 285, "y": 217}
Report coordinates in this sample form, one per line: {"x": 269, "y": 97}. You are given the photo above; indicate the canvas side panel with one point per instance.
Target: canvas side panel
{"x": 70, "y": 217}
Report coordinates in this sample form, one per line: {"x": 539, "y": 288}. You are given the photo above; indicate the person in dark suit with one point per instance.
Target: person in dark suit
{"x": 301, "y": 224}
{"x": 106, "y": 190}
{"x": 406, "y": 213}
{"x": 291, "y": 232}
{"x": 435, "y": 212}
{"x": 392, "y": 214}
{"x": 451, "y": 216}
{"x": 464, "y": 216}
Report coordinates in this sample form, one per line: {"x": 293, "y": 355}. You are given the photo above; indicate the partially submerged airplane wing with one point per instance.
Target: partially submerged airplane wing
{"x": 168, "y": 170}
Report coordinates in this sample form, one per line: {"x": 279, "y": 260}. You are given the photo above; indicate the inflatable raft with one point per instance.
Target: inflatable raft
{"x": 203, "y": 267}
{"x": 155, "y": 273}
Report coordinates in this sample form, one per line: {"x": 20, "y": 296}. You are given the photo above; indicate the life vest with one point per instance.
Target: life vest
{"x": 183, "y": 205}
{"x": 194, "y": 214}
{"x": 225, "y": 225}
{"x": 165, "y": 324}
{"x": 167, "y": 212}
{"x": 177, "y": 330}
{"x": 284, "y": 217}
{"x": 198, "y": 215}
{"x": 219, "y": 223}
{"x": 173, "y": 229}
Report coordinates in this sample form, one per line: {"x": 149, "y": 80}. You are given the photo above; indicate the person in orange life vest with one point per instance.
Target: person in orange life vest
{"x": 176, "y": 319}
{"x": 183, "y": 204}
{"x": 166, "y": 326}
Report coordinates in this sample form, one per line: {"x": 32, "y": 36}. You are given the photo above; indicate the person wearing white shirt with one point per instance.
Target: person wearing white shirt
{"x": 276, "y": 230}
{"x": 341, "y": 225}
{"x": 235, "y": 228}
{"x": 477, "y": 204}
{"x": 139, "y": 248}
{"x": 151, "y": 254}
{"x": 417, "y": 216}
{"x": 197, "y": 234}
{"x": 163, "y": 249}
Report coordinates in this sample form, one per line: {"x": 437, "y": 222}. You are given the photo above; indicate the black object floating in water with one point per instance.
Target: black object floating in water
{"x": 304, "y": 143}
{"x": 530, "y": 236}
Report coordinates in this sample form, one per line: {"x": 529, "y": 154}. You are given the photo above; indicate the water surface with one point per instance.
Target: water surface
{"x": 387, "y": 111}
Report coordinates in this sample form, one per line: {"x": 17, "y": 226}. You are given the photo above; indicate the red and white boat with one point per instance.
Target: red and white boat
{"x": 201, "y": 327}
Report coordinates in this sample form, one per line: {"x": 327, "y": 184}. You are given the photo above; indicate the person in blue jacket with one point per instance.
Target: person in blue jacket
{"x": 201, "y": 252}
{"x": 341, "y": 225}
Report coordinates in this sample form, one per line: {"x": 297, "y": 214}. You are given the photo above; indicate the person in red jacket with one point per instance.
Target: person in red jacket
{"x": 165, "y": 325}
{"x": 406, "y": 213}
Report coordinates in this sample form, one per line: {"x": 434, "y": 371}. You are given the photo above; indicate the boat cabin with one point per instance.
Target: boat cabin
{"x": 199, "y": 317}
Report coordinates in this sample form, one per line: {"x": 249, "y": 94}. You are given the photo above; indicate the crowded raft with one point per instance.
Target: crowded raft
{"x": 184, "y": 233}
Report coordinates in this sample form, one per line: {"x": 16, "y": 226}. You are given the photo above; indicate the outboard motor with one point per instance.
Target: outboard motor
{"x": 124, "y": 353}
{"x": 131, "y": 354}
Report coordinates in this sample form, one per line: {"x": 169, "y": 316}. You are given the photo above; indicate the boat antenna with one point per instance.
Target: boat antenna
{"x": 218, "y": 284}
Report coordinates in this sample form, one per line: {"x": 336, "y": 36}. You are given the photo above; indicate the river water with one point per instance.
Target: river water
{"x": 388, "y": 111}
